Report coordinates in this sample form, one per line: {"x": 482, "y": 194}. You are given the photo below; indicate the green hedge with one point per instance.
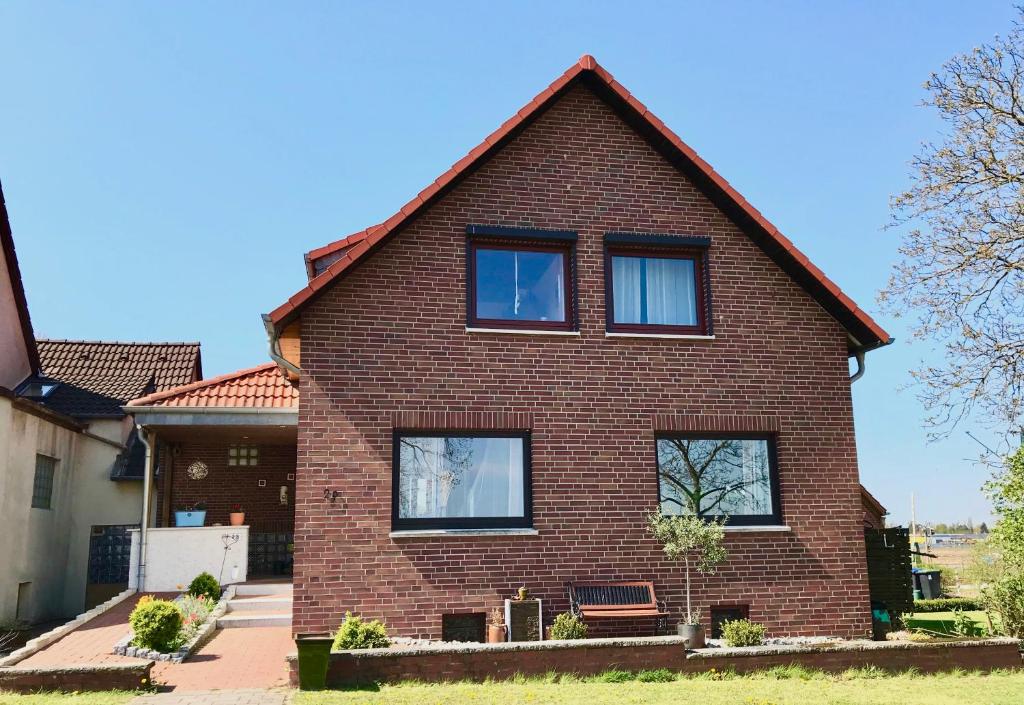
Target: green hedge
{"x": 947, "y": 604}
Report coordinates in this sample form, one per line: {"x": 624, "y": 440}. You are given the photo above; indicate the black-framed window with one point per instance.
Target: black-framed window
{"x": 656, "y": 288}
{"x": 461, "y": 480}
{"x": 719, "y": 475}
{"x": 521, "y": 279}
{"x": 42, "y": 482}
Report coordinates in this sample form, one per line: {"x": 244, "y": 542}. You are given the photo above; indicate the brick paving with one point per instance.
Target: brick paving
{"x": 233, "y": 659}
{"x": 216, "y": 697}
{"x": 92, "y": 643}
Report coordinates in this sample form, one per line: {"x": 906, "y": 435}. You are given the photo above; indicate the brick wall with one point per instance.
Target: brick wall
{"x": 388, "y": 343}
{"x": 227, "y": 485}
{"x": 591, "y": 658}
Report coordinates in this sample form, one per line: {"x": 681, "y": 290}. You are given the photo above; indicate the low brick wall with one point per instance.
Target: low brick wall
{"x": 456, "y": 662}
{"x": 71, "y": 678}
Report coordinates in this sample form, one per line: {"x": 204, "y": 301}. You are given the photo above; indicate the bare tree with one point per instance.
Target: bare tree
{"x": 705, "y": 475}
{"x": 962, "y": 269}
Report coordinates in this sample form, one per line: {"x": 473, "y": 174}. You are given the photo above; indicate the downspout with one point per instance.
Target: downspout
{"x": 274, "y": 340}
{"x": 859, "y": 356}
{"x": 147, "y": 483}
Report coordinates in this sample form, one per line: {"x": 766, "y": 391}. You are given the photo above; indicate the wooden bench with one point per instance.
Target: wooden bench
{"x": 617, "y": 600}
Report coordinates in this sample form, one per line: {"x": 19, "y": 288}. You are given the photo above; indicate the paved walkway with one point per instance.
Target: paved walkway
{"x": 216, "y": 697}
{"x": 234, "y": 658}
{"x": 91, "y": 643}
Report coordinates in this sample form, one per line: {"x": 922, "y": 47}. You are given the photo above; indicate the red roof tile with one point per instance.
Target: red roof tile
{"x": 859, "y": 324}
{"x": 97, "y": 377}
{"x": 262, "y": 387}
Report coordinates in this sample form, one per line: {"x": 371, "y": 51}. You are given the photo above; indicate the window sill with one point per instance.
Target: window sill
{"x": 669, "y": 336}
{"x": 750, "y": 529}
{"x": 522, "y": 331}
{"x": 456, "y": 533}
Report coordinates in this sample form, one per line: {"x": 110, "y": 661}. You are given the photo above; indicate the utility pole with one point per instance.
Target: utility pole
{"x": 913, "y": 530}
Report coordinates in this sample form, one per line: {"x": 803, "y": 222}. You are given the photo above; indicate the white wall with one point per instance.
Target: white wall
{"x": 33, "y": 542}
{"x": 174, "y": 556}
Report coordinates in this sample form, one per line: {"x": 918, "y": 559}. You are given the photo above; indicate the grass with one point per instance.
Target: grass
{"x": 942, "y": 622}
{"x": 107, "y": 697}
{"x": 779, "y": 686}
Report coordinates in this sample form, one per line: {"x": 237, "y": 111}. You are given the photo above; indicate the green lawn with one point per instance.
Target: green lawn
{"x": 802, "y": 688}
{"x": 942, "y": 622}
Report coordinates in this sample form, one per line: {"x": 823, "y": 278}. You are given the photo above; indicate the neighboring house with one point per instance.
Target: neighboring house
{"x": 578, "y": 323}
{"x": 70, "y": 463}
{"x": 874, "y": 512}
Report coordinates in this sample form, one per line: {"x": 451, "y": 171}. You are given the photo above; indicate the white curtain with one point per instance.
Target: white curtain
{"x": 626, "y": 288}
{"x": 659, "y": 291}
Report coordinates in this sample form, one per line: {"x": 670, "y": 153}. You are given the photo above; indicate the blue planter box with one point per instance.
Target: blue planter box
{"x": 190, "y": 518}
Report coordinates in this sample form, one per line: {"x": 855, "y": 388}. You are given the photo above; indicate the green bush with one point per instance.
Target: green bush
{"x": 1005, "y": 598}
{"x": 743, "y": 632}
{"x": 568, "y": 626}
{"x": 354, "y": 633}
{"x": 963, "y": 625}
{"x": 156, "y": 624}
{"x": 947, "y": 604}
{"x": 206, "y": 585}
{"x": 615, "y": 676}
{"x": 657, "y": 675}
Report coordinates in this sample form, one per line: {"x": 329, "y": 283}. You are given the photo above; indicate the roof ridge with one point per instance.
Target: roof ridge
{"x": 119, "y": 342}
{"x": 826, "y": 292}
{"x": 192, "y": 386}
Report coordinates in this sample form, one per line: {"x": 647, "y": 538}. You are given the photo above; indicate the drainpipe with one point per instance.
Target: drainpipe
{"x": 859, "y": 356}
{"x": 147, "y": 483}
{"x": 275, "y": 347}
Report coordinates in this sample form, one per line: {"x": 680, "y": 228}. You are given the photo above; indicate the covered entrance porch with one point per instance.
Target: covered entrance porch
{"x": 219, "y": 486}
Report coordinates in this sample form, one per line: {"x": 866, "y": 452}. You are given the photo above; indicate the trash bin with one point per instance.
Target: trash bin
{"x": 928, "y": 583}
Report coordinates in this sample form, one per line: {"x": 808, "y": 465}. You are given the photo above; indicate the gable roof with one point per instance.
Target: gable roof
{"x": 17, "y": 287}
{"x": 98, "y": 377}
{"x": 864, "y": 332}
{"x": 261, "y": 387}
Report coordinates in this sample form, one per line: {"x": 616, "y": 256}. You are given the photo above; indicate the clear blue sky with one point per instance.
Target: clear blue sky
{"x": 166, "y": 165}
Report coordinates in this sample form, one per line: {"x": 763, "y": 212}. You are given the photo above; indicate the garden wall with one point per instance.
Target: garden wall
{"x": 81, "y": 678}
{"x": 592, "y": 656}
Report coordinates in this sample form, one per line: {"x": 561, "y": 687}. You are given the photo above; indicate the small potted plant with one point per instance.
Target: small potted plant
{"x": 237, "y": 515}
{"x": 190, "y": 514}
{"x": 522, "y": 593}
{"x": 690, "y": 540}
{"x": 496, "y": 627}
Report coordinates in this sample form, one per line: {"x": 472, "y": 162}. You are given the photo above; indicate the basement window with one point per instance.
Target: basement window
{"x": 246, "y": 455}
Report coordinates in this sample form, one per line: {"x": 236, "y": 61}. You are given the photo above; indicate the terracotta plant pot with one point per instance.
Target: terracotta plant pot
{"x": 237, "y": 518}
{"x": 495, "y": 633}
{"x": 693, "y": 633}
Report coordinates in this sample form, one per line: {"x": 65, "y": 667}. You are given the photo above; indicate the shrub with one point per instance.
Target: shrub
{"x": 206, "y": 585}
{"x": 568, "y": 626}
{"x": 963, "y": 625}
{"x": 354, "y": 633}
{"x": 743, "y": 632}
{"x": 1005, "y": 598}
{"x": 156, "y": 624}
{"x": 615, "y": 676}
{"x": 657, "y": 675}
{"x": 947, "y": 604}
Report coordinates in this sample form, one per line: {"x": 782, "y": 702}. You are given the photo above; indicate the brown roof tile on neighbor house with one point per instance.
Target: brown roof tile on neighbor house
{"x": 97, "y": 378}
{"x": 331, "y": 262}
{"x": 261, "y": 387}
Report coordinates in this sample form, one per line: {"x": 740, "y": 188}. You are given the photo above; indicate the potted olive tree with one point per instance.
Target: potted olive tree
{"x": 695, "y": 542}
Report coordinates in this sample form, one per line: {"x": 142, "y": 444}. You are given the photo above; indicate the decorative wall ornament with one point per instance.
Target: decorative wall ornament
{"x": 198, "y": 470}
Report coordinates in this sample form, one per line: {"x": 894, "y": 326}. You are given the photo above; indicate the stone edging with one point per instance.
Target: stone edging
{"x": 124, "y": 648}
{"x": 851, "y": 645}
{"x": 43, "y": 640}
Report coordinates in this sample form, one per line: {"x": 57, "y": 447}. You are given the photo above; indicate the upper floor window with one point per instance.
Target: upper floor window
{"x": 243, "y": 455}
{"x": 520, "y": 279}
{"x": 42, "y": 483}
{"x": 717, "y": 476}
{"x": 656, "y": 288}
{"x": 461, "y": 480}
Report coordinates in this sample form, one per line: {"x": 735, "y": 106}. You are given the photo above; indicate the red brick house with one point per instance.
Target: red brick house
{"x": 577, "y": 322}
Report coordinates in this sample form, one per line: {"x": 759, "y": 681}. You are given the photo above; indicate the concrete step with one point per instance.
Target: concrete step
{"x": 261, "y": 603}
{"x": 252, "y": 589}
{"x": 255, "y": 619}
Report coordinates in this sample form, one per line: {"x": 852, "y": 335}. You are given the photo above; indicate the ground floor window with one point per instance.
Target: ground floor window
{"x": 461, "y": 480}
{"x": 718, "y": 476}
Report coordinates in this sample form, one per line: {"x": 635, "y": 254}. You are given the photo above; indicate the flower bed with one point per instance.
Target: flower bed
{"x": 199, "y": 620}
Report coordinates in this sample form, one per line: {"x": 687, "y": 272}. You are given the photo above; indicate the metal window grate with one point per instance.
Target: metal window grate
{"x": 42, "y": 483}
{"x": 110, "y": 553}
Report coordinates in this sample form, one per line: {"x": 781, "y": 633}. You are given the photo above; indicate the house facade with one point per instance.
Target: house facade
{"x": 578, "y": 324}
{"x": 70, "y": 461}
